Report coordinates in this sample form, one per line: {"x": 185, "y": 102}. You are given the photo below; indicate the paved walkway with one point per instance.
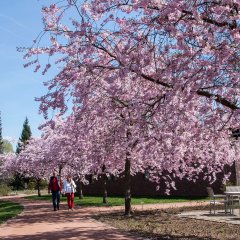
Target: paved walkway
{"x": 220, "y": 216}
{"x": 39, "y": 222}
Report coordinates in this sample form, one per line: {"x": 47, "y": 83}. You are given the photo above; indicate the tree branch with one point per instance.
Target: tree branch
{"x": 218, "y": 99}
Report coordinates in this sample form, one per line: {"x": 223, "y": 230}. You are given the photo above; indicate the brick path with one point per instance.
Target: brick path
{"x": 39, "y": 222}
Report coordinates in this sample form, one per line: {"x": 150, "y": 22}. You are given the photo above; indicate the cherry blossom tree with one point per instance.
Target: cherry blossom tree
{"x": 162, "y": 75}
{"x": 42, "y": 155}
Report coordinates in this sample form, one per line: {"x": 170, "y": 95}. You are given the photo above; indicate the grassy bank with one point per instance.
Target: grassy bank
{"x": 119, "y": 201}
{"x": 9, "y": 210}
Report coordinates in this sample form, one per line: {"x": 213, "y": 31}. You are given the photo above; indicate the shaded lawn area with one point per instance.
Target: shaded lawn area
{"x": 9, "y": 210}
{"x": 119, "y": 201}
{"x": 166, "y": 225}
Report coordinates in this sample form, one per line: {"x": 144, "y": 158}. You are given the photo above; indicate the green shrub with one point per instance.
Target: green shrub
{"x": 31, "y": 185}
{"x": 4, "y": 190}
{"x": 17, "y": 182}
{"x": 43, "y": 184}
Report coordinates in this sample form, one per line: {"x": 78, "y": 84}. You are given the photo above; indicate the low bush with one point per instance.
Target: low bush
{"x": 33, "y": 184}
{"x": 4, "y": 190}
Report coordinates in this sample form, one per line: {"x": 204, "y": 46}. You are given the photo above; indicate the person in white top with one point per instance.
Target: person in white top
{"x": 69, "y": 189}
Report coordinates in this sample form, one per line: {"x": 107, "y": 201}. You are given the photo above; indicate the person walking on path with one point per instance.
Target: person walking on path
{"x": 69, "y": 189}
{"x": 55, "y": 186}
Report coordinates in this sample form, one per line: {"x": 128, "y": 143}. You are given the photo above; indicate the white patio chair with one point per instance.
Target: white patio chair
{"x": 216, "y": 199}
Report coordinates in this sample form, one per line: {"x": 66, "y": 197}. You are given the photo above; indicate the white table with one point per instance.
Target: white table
{"x": 231, "y": 197}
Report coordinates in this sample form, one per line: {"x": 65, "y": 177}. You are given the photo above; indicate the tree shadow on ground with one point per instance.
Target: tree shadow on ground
{"x": 81, "y": 233}
{"x": 147, "y": 235}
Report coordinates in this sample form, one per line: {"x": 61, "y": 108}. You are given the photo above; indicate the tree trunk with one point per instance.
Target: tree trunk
{"x": 38, "y": 187}
{"x": 60, "y": 180}
{"x": 128, "y": 209}
{"x": 80, "y": 192}
{"x": 237, "y": 161}
{"x": 60, "y": 171}
{"x": 104, "y": 183}
{"x": 105, "y": 188}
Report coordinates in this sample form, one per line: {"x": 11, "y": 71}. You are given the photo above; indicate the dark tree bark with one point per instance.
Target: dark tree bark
{"x": 79, "y": 188}
{"x": 38, "y": 187}
{"x": 104, "y": 184}
{"x": 105, "y": 188}
{"x": 128, "y": 209}
{"x": 60, "y": 171}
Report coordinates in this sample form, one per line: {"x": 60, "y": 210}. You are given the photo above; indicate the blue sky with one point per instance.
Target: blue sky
{"x": 20, "y": 23}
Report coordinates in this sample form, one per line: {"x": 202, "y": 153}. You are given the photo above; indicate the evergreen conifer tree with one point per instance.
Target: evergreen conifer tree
{"x": 25, "y": 136}
{"x": 1, "y": 139}
{"x": 19, "y": 181}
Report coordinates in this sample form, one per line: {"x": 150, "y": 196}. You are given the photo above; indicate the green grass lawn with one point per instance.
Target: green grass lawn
{"x": 9, "y": 210}
{"x": 119, "y": 201}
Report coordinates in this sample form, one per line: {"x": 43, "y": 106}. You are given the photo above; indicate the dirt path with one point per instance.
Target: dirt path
{"x": 39, "y": 222}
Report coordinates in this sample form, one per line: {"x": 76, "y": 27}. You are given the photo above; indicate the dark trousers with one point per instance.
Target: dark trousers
{"x": 56, "y": 199}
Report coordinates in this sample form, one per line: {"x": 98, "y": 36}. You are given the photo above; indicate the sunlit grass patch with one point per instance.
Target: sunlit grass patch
{"x": 9, "y": 210}
{"x": 119, "y": 201}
